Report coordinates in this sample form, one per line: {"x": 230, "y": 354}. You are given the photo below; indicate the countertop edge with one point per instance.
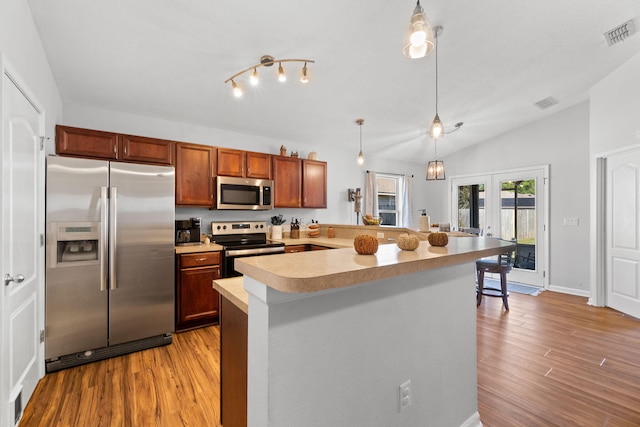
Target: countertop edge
{"x": 233, "y": 290}
{"x": 353, "y": 273}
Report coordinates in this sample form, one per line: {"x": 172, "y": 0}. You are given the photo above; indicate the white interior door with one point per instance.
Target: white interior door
{"x": 623, "y": 232}
{"x": 22, "y": 249}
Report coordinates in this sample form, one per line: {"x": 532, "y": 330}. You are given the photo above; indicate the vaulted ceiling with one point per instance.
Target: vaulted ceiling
{"x": 496, "y": 58}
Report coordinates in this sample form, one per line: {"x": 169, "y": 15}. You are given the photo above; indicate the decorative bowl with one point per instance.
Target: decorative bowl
{"x": 371, "y": 220}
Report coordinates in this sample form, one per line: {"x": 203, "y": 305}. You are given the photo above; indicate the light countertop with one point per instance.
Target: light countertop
{"x": 190, "y": 249}
{"x": 320, "y": 270}
{"x": 233, "y": 290}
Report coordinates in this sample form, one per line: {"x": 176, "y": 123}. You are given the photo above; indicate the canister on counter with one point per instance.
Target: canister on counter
{"x": 331, "y": 232}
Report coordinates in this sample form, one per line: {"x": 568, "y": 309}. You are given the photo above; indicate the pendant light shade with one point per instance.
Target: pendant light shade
{"x": 436, "y": 130}
{"x": 419, "y": 40}
{"x": 435, "y": 168}
{"x": 360, "y": 160}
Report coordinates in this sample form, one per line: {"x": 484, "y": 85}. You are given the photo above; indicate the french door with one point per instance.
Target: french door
{"x": 510, "y": 205}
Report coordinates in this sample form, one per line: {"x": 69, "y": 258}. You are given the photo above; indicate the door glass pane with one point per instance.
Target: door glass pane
{"x": 518, "y": 219}
{"x": 471, "y": 212}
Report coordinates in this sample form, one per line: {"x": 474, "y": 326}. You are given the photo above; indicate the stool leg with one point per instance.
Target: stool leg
{"x": 480, "y": 287}
{"x": 503, "y": 287}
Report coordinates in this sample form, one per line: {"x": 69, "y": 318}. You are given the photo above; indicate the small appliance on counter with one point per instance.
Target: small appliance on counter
{"x": 188, "y": 232}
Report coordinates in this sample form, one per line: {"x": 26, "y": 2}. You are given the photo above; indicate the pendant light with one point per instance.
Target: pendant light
{"x": 437, "y": 128}
{"x": 360, "y": 156}
{"x": 419, "y": 40}
{"x": 435, "y": 168}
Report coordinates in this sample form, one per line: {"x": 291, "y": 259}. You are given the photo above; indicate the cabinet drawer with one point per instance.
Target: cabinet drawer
{"x": 199, "y": 259}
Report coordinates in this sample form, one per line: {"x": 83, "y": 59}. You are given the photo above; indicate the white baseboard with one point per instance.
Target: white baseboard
{"x": 472, "y": 421}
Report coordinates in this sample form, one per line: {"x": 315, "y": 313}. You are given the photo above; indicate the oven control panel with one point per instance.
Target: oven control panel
{"x": 238, "y": 227}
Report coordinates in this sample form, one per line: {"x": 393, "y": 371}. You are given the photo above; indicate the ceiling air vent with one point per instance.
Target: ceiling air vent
{"x": 549, "y": 101}
{"x": 620, "y": 33}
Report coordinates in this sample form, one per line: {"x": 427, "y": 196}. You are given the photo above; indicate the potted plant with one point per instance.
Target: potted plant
{"x": 276, "y": 227}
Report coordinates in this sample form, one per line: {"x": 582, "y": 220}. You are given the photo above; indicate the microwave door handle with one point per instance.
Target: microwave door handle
{"x": 104, "y": 232}
{"x": 113, "y": 204}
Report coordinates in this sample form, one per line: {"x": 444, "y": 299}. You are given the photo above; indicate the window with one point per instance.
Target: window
{"x": 389, "y": 199}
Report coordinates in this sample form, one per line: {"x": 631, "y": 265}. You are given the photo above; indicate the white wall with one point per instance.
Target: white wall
{"x": 337, "y": 357}
{"x": 562, "y": 141}
{"x": 343, "y": 172}
{"x": 22, "y": 48}
{"x": 615, "y": 107}
{"x": 23, "y": 55}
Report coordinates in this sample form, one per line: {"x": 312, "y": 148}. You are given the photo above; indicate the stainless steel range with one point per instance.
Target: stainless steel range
{"x": 242, "y": 239}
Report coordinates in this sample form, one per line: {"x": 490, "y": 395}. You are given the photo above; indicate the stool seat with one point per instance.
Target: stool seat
{"x": 502, "y": 265}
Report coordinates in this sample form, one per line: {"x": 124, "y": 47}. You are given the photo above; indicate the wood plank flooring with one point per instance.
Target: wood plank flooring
{"x": 551, "y": 360}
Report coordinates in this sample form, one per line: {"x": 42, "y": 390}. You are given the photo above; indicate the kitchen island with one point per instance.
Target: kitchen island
{"x": 332, "y": 336}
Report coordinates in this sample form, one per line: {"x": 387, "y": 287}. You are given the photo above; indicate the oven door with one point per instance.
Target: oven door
{"x": 231, "y": 254}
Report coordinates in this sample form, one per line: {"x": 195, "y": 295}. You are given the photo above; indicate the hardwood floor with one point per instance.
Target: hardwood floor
{"x": 551, "y": 360}
{"x": 174, "y": 385}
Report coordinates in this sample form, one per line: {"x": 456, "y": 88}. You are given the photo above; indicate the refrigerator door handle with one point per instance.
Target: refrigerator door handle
{"x": 112, "y": 237}
{"x": 104, "y": 230}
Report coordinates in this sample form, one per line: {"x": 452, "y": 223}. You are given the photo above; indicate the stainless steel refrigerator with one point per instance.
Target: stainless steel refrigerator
{"x": 109, "y": 283}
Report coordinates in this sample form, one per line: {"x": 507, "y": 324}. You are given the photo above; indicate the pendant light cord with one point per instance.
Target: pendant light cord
{"x": 437, "y": 71}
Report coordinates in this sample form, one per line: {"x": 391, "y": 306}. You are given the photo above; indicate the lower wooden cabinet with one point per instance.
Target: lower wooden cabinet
{"x": 233, "y": 365}
{"x": 197, "y": 303}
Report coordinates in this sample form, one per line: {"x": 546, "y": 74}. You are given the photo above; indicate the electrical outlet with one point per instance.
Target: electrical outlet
{"x": 404, "y": 395}
{"x": 379, "y": 235}
{"x": 571, "y": 221}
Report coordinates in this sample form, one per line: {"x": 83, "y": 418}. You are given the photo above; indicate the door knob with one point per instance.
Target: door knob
{"x": 9, "y": 278}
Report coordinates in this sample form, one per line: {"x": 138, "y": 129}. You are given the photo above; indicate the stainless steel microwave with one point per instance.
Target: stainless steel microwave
{"x": 244, "y": 193}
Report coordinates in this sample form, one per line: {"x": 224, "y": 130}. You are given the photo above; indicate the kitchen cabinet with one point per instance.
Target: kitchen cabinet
{"x": 95, "y": 144}
{"x": 194, "y": 174}
{"x": 244, "y": 164}
{"x": 233, "y": 364}
{"x": 197, "y": 303}
{"x": 290, "y": 249}
{"x": 140, "y": 149}
{"x": 258, "y": 165}
{"x": 287, "y": 182}
{"x": 317, "y": 248}
{"x": 314, "y": 184}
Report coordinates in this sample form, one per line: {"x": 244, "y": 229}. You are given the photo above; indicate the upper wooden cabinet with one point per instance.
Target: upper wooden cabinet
{"x": 244, "y": 164}
{"x": 141, "y": 149}
{"x": 314, "y": 184}
{"x": 258, "y": 165}
{"x": 194, "y": 174}
{"x": 88, "y": 143}
{"x": 287, "y": 182}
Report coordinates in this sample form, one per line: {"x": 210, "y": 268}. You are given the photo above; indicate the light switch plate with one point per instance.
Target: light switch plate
{"x": 571, "y": 222}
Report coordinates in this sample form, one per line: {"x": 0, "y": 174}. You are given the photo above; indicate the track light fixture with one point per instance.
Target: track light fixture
{"x": 360, "y": 122}
{"x": 419, "y": 40}
{"x": 267, "y": 61}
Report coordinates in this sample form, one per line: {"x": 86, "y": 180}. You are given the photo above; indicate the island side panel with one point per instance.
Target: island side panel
{"x": 337, "y": 357}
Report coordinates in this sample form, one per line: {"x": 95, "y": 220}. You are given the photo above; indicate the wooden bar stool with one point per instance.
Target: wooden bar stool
{"x": 502, "y": 265}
